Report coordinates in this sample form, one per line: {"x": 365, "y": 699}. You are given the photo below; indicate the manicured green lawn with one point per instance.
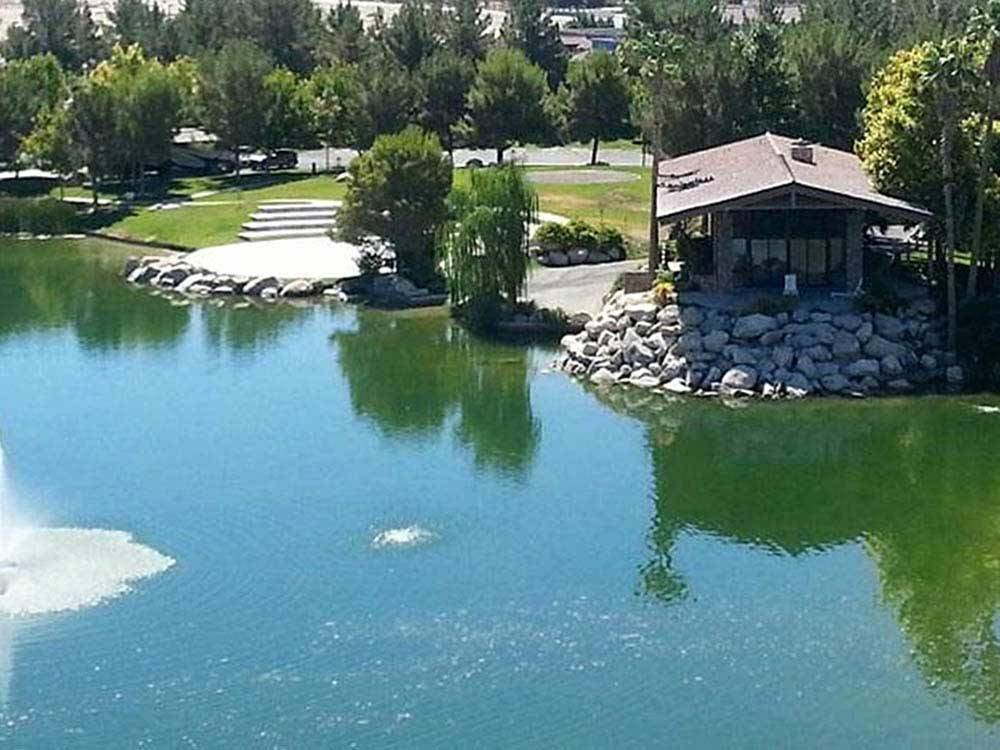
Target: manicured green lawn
{"x": 216, "y": 219}
{"x": 623, "y": 205}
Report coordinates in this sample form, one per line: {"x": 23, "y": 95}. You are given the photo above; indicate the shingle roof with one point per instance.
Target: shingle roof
{"x": 725, "y": 176}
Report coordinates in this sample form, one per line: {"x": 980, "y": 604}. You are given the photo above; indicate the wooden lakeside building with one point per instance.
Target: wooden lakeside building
{"x": 773, "y": 207}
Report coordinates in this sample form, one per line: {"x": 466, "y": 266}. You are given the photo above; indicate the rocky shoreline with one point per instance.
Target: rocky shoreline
{"x": 173, "y": 273}
{"x": 694, "y": 348}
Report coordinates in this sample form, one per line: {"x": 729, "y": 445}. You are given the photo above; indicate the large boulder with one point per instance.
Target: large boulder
{"x": 689, "y": 342}
{"x": 692, "y": 316}
{"x": 863, "y": 368}
{"x": 806, "y": 366}
{"x": 142, "y": 274}
{"x": 602, "y": 377}
{"x": 891, "y": 366}
{"x": 740, "y": 378}
{"x": 715, "y": 341}
{"x": 298, "y": 288}
{"x": 848, "y": 321}
{"x": 835, "y": 383}
{"x": 753, "y": 326}
{"x": 641, "y": 311}
{"x": 880, "y": 348}
{"x": 889, "y": 326}
{"x": 846, "y": 345}
{"x": 783, "y": 356}
{"x": 258, "y": 285}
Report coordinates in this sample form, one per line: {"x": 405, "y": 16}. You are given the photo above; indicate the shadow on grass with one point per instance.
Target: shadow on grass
{"x": 175, "y": 188}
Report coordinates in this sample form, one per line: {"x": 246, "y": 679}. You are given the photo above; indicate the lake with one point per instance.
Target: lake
{"x": 388, "y": 533}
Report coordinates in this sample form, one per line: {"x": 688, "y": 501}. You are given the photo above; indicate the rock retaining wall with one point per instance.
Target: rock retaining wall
{"x": 696, "y": 349}
{"x": 171, "y": 272}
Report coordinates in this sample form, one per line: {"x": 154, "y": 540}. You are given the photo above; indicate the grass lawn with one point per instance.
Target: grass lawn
{"x": 623, "y": 205}
{"x": 215, "y": 219}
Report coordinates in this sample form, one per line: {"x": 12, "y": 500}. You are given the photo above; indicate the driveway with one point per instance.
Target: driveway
{"x": 576, "y": 288}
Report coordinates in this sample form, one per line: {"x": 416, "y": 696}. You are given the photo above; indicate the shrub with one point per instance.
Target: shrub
{"x": 37, "y": 216}
{"x": 663, "y": 289}
{"x": 553, "y": 236}
{"x": 581, "y": 234}
{"x": 878, "y": 296}
{"x": 978, "y": 341}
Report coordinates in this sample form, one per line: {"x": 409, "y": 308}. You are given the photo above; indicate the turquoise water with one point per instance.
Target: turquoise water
{"x": 599, "y": 572}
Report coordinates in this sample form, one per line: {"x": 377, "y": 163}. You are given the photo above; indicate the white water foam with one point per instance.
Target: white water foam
{"x": 983, "y": 409}
{"x": 56, "y": 570}
{"x": 46, "y": 570}
{"x": 407, "y": 536}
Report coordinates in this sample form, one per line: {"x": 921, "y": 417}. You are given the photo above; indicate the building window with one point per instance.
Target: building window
{"x": 807, "y": 242}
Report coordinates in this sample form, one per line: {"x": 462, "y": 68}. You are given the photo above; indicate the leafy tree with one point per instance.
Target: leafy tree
{"x": 51, "y": 145}
{"x": 391, "y": 100}
{"x": 137, "y": 22}
{"x": 486, "y": 246}
{"x": 344, "y": 36}
{"x": 653, "y": 59}
{"x": 507, "y": 101}
{"x": 287, "y": 30}
{"x": 529, "y": 28}
{"x": 288, "y": 110}
{"x": 951, "y": 78}
{"x": 62, "y": 28}
{"x": 338, "y": 104}
{"x": 232, "y": 90}
{"x": 598, "y": 99}
{"x": 205, "y": 26}
{"x": 28, "y": 89}
{"x": 446, "y": 79}
{"x": 768, "y": 87}
{"x": 398, "y": 192}
{"x": 829, "y": 66}
{"x": 466, "y": 30}
{"x": 410, "y": 36}
{"x": 984, "y": 29}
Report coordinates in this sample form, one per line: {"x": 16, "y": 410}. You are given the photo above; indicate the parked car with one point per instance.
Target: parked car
{"x": 281, "y": 159}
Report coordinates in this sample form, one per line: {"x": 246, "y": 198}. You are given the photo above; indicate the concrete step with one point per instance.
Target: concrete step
{"x": 297, "y": 206}
{"x": 280, "y": 234}
{"x": 271, "y": 216}
{"x": 254, "y": 226}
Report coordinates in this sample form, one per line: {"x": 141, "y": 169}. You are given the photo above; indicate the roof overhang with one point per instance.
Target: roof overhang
{"x": 905, "y": 213}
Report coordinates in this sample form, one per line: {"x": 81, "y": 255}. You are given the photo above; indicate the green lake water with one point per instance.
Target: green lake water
{"x": 592, "y": 570}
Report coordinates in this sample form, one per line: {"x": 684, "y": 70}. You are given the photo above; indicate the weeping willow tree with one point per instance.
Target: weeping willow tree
{"x": 485, "y": 245}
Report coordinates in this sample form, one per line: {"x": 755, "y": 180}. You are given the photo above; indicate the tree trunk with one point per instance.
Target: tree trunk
{"x": 94, "y": 187}
{"x": 593, "y": 152}
{"x": 500, "y": 155}
{"x": 654, "y": 224}
{"x": 948, "y": 173}
{"x": 985, "y": 149}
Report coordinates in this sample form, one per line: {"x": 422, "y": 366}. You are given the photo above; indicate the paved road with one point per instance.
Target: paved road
{"x": 533, "y": 156}
{"x": 576, "y": 288}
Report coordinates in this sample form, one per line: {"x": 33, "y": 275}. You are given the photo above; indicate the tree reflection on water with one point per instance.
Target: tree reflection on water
{"x": 411, "y": 374}
{"x": 916, "y": 482}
